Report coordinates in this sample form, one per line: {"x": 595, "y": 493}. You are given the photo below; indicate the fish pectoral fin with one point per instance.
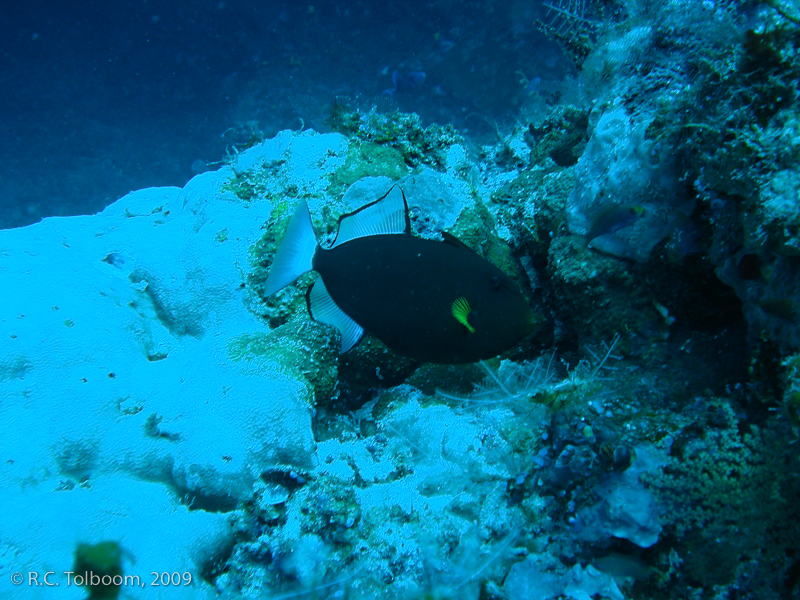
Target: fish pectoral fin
{"x": 325, "y": 310}
{"x": 461, "y": 310}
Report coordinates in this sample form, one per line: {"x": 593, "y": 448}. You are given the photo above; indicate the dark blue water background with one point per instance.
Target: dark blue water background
{"x": 100, "y": 98}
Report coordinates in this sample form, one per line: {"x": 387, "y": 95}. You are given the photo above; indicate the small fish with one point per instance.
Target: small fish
{"x": 614, "y": 217}
{"x": 532, "y": 85}
{"x": 428, "y": 300}
{"x": 610, "y": 219}
{"x": 404, "y": 84}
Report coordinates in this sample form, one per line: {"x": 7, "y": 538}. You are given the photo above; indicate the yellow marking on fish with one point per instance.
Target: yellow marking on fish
{"x": 461, "y": 310}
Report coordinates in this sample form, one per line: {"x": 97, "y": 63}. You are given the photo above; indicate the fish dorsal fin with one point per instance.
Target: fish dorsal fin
{"x": 449, "y": 238}
{"x": 387, "y": 215}
{"x": 325, "y": 310}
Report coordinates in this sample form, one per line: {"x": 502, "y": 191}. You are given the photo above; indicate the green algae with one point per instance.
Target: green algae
{"x": 367, "y": 159}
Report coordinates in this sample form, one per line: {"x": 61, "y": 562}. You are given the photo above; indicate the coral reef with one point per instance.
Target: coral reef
{"x": 641, "y": 444}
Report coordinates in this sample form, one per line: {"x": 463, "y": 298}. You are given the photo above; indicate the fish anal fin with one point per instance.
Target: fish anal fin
{"x": 324, "y": 309}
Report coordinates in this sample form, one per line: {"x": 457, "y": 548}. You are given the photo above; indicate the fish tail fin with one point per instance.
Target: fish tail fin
{"x": 579, "y": 242}
{"x": 296, "y": 252}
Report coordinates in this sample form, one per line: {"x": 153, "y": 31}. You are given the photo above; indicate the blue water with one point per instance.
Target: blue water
{"x": 102, "y": 98}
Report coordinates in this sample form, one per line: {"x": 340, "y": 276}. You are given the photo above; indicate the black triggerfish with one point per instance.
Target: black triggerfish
{"x": 432, "y": 301}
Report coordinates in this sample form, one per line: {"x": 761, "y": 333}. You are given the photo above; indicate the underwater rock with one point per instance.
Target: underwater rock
{"x": 622, "y": 167}
{"x": 536, "y": 579}
{"x": 628, "y": 509}
{"x": 133, "y": 392}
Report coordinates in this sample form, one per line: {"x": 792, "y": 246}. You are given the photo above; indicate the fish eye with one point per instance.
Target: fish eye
{"x": 495, "y": 282}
